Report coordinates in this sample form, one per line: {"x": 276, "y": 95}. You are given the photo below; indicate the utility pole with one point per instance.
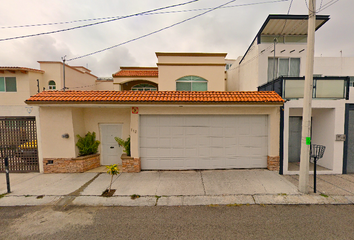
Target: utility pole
{"x": 307, "y": 111}
{"x": 63, "y": 58}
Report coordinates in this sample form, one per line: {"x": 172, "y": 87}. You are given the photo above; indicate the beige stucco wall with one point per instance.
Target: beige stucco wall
{"x": 271, "y": 111}
{"x": 208, "y": 66}
{"x": 53, "y": 71}
{"x": 56, "y": 121}
{"x": 26, "y": 86}
{"x": 75, "y": 79}
{"x": 104, "y": 85}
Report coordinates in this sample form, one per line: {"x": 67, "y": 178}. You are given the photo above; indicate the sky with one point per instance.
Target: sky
{"x": 227, "y": 30}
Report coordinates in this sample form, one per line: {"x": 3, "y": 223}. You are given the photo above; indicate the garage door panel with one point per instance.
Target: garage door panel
{"x": 178, "y": 152}
{"x": 150, "y": 142}
{"x": 191, "y": 130}
{"x": 203, "y": 142}
{"x": 203, "y": 151}
{"x": 177, "y": 142}
{"x": 164, "y": 142}
{"x": 217, "y": 141}
{"x": 191, "y": 152}
{"x": 216, "y": 152}
{"x": 177, "y": 131}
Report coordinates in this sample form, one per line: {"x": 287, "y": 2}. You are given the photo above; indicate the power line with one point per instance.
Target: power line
{"x": 151, "y": 33}
{"x": 142, "y": 14}
{"x": 92, "y": 24}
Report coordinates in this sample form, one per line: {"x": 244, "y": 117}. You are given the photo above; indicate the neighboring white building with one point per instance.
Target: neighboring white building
{"x": 256, "y": 70}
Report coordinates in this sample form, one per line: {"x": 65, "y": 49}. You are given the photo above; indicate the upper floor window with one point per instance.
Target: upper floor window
{"x": 286, "y": 67}
{"x": 191, "y": 83}
{"x": 8, "y": 84}
{"x": 52, "y": 85}
{"x": 144, "y": 87}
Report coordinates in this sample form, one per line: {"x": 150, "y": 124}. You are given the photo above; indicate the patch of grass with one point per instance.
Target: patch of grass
{"x": 3, "y": 195}
{"x": 323, "y": 195}
{"x": 234, "y": 205}
{"x": 213, "y": 205}
{"x": 157, "y": 197}
{"x": 134, "y": 196}
{"x": 262, "y": 205}
{"x": 282, "y": 194}
{"x": 40, "y": 196}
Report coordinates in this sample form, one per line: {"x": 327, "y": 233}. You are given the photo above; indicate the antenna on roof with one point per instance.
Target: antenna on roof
{"x": 63, "y": 58}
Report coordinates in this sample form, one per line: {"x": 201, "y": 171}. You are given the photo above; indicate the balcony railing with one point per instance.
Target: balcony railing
{"x": 323, "y": 87}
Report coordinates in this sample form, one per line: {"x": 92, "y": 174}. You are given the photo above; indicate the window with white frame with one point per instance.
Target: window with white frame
{"x": 191, "y": 83}
{"x": 8, "y": 84}
{"x": 286, "y": 67}
{"x": 52, "y": 85}
{"x": 144, "y": 87}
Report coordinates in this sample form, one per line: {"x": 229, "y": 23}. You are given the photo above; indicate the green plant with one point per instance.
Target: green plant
{"x": 134, "y": 196}
{"x": 125, "y": 144}
{"x": 112, "y": 170}
{"x": 87, "y": 145}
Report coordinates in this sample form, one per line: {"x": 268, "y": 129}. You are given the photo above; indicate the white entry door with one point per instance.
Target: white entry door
{"x": 110, "y": 151}
{"x": 203, "y": 142}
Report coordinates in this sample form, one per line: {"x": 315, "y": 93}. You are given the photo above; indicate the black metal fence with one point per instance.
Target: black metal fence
{"x": 18, "y": 142}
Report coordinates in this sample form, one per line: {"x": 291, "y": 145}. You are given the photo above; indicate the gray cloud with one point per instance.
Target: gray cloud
{"x": 226, "y": 30}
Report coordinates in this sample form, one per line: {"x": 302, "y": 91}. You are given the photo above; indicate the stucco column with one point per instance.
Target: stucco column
{"x": 134, "y": 134}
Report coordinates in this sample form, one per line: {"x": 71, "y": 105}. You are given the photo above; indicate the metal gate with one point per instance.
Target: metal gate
{"x": 18, "y": 142}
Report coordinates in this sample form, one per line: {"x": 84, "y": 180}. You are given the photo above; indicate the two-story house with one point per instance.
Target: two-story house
{"x": 276, "y": 61}
{"x": 19, "y": 123}
{"x": 178, "y": 116}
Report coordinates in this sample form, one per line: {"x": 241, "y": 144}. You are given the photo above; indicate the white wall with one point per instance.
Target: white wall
{"x": 334, "y": 66}
{"x": 282, "y": 50}
{"x": 324, "y": 130}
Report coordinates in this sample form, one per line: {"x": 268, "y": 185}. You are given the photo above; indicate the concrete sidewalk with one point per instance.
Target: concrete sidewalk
{"x": 173, "y": 188}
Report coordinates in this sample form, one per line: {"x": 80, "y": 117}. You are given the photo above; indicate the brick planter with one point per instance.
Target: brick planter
{"x": 130, "y": 164}
{"x": 273, "y": 163}
{"x": 71, "y": 165}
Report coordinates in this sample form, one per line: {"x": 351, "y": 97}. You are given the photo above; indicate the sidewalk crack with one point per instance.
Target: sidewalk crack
{"x": 68, "y": 199}
{"x": 201, "y": 176}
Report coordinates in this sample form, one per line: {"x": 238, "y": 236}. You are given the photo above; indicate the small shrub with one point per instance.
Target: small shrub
{"x": 112, "y": 170}
{"x": 125, "y": 144}
{"x": 87, "y": 145}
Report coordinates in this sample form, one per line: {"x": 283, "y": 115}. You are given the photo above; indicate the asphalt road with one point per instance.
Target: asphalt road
{"x": 200, "y": 222}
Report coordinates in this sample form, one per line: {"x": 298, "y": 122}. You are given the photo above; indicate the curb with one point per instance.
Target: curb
{"x": 212, "y": 200}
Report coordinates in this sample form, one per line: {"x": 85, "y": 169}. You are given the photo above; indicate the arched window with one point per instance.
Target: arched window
{"x": 144, "y": 87}
{"x": 51, "y": 85}
{"x": 191, "y": 83}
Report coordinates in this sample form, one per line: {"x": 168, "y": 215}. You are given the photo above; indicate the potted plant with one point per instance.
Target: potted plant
{"x": 125, "y": 144}
{"x": 87, "y": 145}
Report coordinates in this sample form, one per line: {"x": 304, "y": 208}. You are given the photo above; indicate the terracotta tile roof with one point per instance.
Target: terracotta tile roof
{"x": 154, "y": 97}
{"x": 137, "y": 73}
{"x": 2, "y": 68}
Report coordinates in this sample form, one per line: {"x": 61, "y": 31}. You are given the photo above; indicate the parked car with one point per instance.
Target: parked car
{"x": 27, "y": 150}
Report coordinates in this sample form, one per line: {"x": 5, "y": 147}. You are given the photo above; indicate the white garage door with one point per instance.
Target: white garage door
{"x": 203, "y": 142}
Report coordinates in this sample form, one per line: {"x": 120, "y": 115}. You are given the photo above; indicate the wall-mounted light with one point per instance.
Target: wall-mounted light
{"x": 282, "y": 51}
{"x": 65, "y": 135}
